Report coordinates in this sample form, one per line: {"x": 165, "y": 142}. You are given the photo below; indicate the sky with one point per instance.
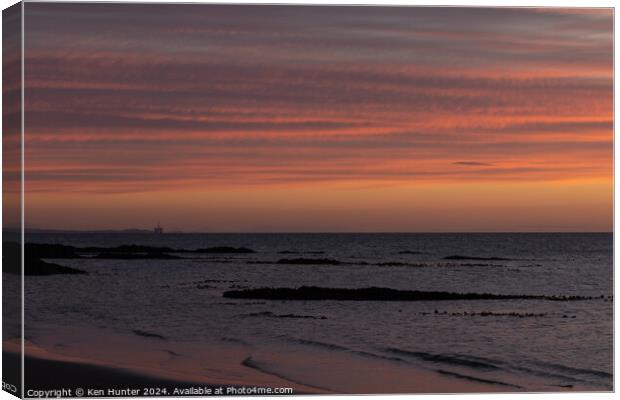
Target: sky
{"x": 11, "y": 117}
{"x": 238, "y": 118}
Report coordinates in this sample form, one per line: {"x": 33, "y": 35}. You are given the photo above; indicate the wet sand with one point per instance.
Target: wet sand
{"x": 46, "y": 371}
{"x": 306, "y": 373}
{"x": 45, "y": 374}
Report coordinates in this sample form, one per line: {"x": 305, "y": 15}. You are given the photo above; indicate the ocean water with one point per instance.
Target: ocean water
{"x": 534, "y": 345}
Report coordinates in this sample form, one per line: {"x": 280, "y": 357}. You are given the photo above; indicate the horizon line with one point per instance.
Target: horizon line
{"x": 176, "y": 232}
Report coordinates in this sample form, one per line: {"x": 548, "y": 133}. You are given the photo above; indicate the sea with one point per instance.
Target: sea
{"x": 514, "y": 344}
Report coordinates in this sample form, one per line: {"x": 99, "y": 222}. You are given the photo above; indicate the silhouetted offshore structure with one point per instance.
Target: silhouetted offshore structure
{"x": 158, "y": 229}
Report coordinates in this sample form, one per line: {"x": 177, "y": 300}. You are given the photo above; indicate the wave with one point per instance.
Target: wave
{"x": 148, "y": 334}
{"x": 171, "y": 353}
{"x": 565, "y": 374}
{"x": 541, "y": 369}
{"x": 479, "y": 363}
{"x": 249, "y": 362}
{"x": 336, "y": 347}
{"x": 576, "y": 371}
{"x": 461, "y": 360}
{"x": 476, "y": 379}
{"x": 544, "y": 370}
{"x": 327, "y": 346}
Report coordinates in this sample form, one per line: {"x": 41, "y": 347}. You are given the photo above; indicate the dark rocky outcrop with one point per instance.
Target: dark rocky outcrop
{"x": 44, "y": 250}
{"x": 136, "y": 256}
{"x": 124, "y": 252}
{"x": 223, "y": 250}
{"x": 310, "y": 261}
{"x": 33, "y": 265}
{"x": 129, "y": 248}
{"x": 378, "y": 294}
{"x": 460, "y": 257}
{"x": 293, "y": 316}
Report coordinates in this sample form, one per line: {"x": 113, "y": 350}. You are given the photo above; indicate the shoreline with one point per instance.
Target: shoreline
{"x": 53, "y": 375}
{"x": 54, "y": 371}
{"x": 245, "y": 370}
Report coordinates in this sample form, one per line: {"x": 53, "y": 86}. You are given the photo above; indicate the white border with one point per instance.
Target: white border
{"x": 482, "y": 3}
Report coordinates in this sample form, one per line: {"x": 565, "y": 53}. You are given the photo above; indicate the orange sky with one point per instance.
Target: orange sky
{"x": 262, "y": 118}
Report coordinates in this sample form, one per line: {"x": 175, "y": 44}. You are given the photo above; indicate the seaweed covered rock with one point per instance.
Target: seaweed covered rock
{"x": 378, "y": 294}
{"x": 225, "y": 250}
{"x": 33, "y": 265}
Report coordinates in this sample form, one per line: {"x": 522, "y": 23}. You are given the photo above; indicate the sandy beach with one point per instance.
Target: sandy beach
{"x": 228, "y": 369}
{"x": 53, "y": 375}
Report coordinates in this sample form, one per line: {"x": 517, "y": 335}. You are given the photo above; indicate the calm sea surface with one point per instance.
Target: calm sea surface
{"x": 566, "y": 344}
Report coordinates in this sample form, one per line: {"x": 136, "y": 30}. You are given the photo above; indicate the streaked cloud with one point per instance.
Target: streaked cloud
{"x": 472, "y": 164}
{"x": 136, "y": 98}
